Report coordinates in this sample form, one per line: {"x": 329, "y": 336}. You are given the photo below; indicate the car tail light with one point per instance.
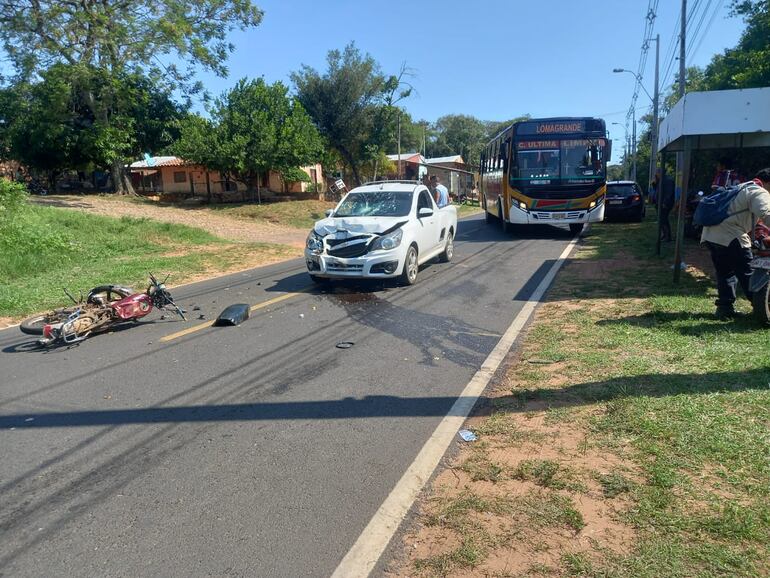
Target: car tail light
{"x": 635, "y": 197}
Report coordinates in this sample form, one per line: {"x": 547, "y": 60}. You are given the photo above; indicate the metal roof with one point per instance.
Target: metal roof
{"x": 158, "y": 162}
{"x": 718, "y": 119}
{"x": 449, "y": 159}
{"x": 407, "y": 157}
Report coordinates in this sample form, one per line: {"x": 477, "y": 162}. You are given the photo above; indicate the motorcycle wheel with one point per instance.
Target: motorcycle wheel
{"x": 34, "y": 325}
{"x": 760, "y": 303}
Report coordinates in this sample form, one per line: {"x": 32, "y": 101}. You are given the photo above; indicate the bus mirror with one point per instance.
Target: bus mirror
{"x": 504, "y": 152}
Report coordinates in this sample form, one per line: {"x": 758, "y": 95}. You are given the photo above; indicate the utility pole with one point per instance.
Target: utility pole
{"x": 654, "y": 136}
{"x": 682, "y": 158}
{"x": 633, "y": 153}
{"x": 399, "y": 144}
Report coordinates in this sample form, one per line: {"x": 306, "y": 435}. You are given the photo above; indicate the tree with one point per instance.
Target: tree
{"x": 352, "y": 104}
{"x": 50, "y": 126}
{"x": 255, "y": 127}
{"x": 748, "y": 64}
{"x": 113, "y": 38}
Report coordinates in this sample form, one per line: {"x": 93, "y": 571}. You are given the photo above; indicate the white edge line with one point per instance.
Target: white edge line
{"x": 365, "y": 553}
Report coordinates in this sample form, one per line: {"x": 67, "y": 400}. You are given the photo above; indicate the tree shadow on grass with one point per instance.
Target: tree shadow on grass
{"x": 648, "y": 385}
{"x": 688, "y": 323}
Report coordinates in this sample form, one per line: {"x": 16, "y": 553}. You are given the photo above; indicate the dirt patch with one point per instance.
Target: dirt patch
{"x": 220, "y": 225}
{"x": 543, "y": 519}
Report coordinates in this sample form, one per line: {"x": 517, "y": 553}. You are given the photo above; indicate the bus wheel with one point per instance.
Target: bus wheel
{"x": 576, "y": 228}
{"x": 505, "y": 224}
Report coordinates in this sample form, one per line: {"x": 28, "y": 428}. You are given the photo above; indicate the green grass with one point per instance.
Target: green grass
{"x": 297, "y": 214}
{"x": 685, "y": 395}
{"x": 46, "y": 249}
{"x": 640, "y": 367}
{"x": 467, "y": 210}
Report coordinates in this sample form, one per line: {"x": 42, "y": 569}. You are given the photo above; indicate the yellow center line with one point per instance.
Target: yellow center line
{"x": 253, "y": 308}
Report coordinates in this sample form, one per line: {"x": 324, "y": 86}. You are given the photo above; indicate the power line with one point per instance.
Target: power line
{"x": 711, "y": 21}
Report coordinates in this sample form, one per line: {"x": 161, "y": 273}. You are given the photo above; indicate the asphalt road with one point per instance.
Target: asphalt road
{"x": 258, "y": 450}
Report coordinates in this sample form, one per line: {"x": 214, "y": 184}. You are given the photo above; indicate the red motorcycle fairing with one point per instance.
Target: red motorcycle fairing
{"x": 133, "y": 306}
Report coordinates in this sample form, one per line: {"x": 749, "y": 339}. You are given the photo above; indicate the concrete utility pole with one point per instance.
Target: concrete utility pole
{"x": 633, "y": 173}
{"x": 399, "y": 144}
{"x": 654, "y": 143}
{"x": 682, "y": 158}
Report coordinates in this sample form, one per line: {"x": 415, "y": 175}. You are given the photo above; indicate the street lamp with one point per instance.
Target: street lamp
{"x": 655, "y": 99}
{"x": 627, "y": 148}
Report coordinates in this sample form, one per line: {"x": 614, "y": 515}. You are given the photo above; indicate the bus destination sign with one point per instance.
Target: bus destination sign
{"x": 550, "y": 127}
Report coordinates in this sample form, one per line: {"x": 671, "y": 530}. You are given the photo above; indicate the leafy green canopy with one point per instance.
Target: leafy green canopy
{"x": 49, "y": 124}
{"x": 112, "y": 38}
{"x": 352, "y": 104}
{"x": 255, "y": 127}
{"x": 117, "y": 34}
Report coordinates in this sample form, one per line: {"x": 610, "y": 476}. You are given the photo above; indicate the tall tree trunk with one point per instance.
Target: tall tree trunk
{"x": 352, "y": 163}
{"x": 120, "y": 181}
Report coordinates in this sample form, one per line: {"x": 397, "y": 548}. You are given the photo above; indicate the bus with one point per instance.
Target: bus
{"x": 546, "y": 171}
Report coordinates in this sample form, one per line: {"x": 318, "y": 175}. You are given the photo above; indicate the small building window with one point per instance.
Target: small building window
{"x": 180, "y": 176}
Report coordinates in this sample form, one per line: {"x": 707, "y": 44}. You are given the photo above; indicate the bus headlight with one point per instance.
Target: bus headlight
{"x": 522, "y": 206}
{"x": 592, "y": 205}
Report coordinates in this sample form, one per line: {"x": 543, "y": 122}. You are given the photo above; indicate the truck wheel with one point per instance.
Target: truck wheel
{"x": 760, "y": 302}
{"x": 409, "y": 274}
{"x": 449, "y": 249}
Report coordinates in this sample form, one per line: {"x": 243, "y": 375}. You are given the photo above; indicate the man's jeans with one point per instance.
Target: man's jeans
{"x": 732, "y": 267}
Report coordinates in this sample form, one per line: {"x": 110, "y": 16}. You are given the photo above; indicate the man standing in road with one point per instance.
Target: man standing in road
{"x": 440, "y": 192}
{"x": 730, "y": 245}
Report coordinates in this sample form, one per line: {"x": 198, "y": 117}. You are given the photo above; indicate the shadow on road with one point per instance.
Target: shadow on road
{"x": 383, "y": 406}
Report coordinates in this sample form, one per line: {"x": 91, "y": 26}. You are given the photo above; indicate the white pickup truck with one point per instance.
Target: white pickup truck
{"x": 381, "y": 230}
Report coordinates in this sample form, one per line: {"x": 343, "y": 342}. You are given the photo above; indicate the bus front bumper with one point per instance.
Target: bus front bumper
{"x": 527, "y": 217}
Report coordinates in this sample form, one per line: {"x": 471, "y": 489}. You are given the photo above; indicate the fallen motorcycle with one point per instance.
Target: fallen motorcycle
{"x": 105, "y": 306}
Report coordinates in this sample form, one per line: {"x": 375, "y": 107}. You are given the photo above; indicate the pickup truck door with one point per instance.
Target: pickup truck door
{"x": 427, "y": 227}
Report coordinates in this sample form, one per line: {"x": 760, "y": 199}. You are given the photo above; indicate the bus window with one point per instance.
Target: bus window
{"x": 538, "y": 164}
{"x": 581, "y": 158}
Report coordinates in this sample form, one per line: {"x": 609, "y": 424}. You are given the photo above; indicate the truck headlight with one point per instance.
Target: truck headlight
{"x": 314, "y": 243}
{"x": 389, "y": 241}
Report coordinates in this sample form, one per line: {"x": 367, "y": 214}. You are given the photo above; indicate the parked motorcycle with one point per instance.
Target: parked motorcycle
{"x": 759, "y": 284}
{"x": 105, "y": 306}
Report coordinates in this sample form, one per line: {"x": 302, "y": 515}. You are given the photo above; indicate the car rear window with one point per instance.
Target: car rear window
{"x": 621, "y": 190}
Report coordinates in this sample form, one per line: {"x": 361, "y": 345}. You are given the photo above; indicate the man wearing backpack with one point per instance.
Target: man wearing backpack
{"x": 734, "y": 214}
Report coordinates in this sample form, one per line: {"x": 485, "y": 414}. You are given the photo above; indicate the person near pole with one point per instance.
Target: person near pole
{"x": 440, "y": 192}
{"x": 725, "y": 177}
{"x": 729, "y": 242}
{"x": 667, "y": 192}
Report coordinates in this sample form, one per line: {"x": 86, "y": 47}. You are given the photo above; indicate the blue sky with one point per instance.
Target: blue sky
{"x": 491, "y": 59}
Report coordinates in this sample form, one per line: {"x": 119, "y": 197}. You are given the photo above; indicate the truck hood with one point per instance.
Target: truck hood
{"x": 344, "y": 226}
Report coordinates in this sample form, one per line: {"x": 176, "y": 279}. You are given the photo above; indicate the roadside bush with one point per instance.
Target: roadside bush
{"x": 13, "y": 197}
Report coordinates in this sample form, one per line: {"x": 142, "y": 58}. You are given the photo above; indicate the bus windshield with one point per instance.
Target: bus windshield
{"x": 542, "y": 161}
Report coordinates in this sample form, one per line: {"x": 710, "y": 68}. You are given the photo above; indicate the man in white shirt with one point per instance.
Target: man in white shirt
{"x": 730, "y": 245}
{"x": 440, "y": 192}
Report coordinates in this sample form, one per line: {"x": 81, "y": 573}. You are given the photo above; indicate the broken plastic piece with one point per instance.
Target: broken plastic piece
{"x": 467, "y": 435}
{"x": 233, "y": 315}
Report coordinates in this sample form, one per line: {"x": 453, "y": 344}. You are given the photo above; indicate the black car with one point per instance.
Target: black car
{"x": 624, "y": 201}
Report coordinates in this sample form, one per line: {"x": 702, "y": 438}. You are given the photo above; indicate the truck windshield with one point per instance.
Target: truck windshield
{"x": 376, "y": 204}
